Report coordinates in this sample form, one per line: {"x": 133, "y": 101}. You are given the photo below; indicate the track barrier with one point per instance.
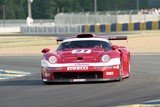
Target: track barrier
{"x": 118, "y": 27}
{"x": 93, "y": 28}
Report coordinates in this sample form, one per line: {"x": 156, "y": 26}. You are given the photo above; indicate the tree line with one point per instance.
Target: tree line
{"x": 47, "y": 9}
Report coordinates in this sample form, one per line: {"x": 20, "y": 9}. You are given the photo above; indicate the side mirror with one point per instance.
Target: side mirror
{"x": 114, "y": 47}
{"x": 45, "y": 50}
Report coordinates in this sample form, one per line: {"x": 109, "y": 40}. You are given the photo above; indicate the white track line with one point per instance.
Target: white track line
{"x": 8, "y": 74}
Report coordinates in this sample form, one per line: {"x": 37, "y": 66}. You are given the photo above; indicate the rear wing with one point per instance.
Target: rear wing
{"x": 117, "y": 37}
{"x": 60, "y": 39}
{"x": 109, "y": 37}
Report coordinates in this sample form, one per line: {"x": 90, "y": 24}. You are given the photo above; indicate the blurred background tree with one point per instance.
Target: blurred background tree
{"x": 47, "y": 9}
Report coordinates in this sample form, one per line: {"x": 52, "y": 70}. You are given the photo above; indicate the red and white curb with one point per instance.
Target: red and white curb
{"x": 8, "y": 74}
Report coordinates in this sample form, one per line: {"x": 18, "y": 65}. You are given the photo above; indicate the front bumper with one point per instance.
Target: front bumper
{"x": 92, "y": 74}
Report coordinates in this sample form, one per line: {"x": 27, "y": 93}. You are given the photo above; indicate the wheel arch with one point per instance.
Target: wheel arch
{"x": 125, "y": 61}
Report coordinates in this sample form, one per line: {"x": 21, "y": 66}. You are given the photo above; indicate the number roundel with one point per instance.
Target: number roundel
{"x": 81, "y": 51}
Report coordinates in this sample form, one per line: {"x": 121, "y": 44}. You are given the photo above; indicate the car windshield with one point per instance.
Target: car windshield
{"x": 84, "y": 44}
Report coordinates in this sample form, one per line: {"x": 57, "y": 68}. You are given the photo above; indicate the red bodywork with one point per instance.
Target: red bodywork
{"x": 85, "y": 64}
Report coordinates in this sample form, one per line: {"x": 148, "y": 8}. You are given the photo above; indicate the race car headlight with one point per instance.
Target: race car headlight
{"x": 52, "y": 59}
{"x": 105, "y": 58}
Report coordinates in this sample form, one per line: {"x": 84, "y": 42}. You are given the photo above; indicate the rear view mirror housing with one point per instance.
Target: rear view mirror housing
{"x": 45, "y": 50}
{"x": 114, "y": 47}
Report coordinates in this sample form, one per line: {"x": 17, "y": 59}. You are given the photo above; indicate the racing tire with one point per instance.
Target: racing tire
{"x": 129, "y": 69}
{"x": 120, "y": 72}
{"x": 46, "y": 83}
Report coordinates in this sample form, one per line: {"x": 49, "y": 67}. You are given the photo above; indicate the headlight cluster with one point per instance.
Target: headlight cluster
{"x": 52, "y": 59}
{"x": 105, "y": 58}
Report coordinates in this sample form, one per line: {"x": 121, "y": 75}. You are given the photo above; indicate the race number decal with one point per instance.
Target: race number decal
{"x": 81, "y": 51}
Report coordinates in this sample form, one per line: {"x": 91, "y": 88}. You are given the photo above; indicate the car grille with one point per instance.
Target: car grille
{"x": 78, "y": 75}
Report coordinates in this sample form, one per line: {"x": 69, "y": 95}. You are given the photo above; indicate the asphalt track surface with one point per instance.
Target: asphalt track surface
{"x": 143, "y": 85}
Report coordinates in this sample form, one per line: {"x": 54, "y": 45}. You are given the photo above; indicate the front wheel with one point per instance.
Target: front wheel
{"x": 46, "y": 83}
{"x": 129, "y": 69}
{"x": 121, "y": 71}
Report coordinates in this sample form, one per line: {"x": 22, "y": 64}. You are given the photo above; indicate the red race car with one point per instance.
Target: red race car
{"x": 86, "y": 57}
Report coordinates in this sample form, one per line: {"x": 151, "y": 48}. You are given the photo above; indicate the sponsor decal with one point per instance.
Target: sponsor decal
{"x": 110, "y": 73}
{"x": 81, "y": 51}
{"x": 77, "y": 68}
{"x": 81, "y": 64}
{"x": 78, "y": 80}
{"x": 115, "y": 66}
